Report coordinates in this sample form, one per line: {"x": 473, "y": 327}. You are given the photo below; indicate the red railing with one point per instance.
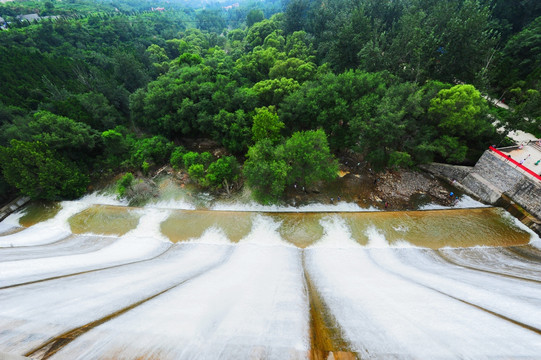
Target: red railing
{"x": 508, "y": 158}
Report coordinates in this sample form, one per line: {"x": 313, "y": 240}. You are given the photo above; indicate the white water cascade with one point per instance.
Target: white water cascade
{"x": 434, "y": 284}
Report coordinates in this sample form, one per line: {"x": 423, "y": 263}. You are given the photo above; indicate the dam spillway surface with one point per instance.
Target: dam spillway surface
{"x": 97, "y": 279}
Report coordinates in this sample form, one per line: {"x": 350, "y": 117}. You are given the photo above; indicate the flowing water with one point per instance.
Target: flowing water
{"x": 185, "y": 278}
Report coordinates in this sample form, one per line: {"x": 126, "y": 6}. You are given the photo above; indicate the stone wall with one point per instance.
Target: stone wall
{"x": 448, "y": 172}
{"x": 12, "y": 207}
{"x": 527, "y": 193}
{"x": 491, "y": 177}
{"x": 503, "y": 174}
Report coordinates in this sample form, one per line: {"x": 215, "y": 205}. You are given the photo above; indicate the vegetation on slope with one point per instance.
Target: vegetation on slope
{"x": 112, "y": 87}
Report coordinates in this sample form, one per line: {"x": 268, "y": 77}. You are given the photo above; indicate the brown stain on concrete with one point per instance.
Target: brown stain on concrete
{"x": 325, "y": 337}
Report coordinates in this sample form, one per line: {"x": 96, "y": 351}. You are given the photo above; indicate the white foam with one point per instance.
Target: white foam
{"x": 255, "y": 207}
{"x": 58, "y": 227}
{"x": 336, "y": 234}
{"x": 465, "y": 202}
{"x": 171, "y": 204}
{"x": 534, "y": 238}
{"x": 401, "y": 228}
{"x": 48, "y": 231}
{"x": 376, "y": 238}
{"x": 213, "y": 235}
{"x": 149, "y": 225}
{"x": 265, "y": 232}
{"x": 403, "y": 244}
{"x": 12, "y": 220}
{"x": 99, "y": 198}
{"x": 509, "y": 297}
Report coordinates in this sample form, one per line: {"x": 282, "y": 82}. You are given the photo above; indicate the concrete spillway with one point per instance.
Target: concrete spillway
{"x": 185, "y": 284}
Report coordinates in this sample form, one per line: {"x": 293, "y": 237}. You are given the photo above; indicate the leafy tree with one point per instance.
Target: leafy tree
{"x": 39, "y": 172}
{"x": 124, "y": 184}
{"x": 335, "y": 103}
{"x": 273, "y": 91}
{"x": 190, "y": 59}
{"x": 117, "y": 147}
{"x": 310, "y": 159}
{"x": 520, "y": 59}
{"x": 392, "y": 129}
{"x": 191, "y": 158}
{"x": 400, "y": 159}
{"x": 210, "y": 20}
{"x": 450, "y": 148}
{"x": 223, "y": 172}
{"x": 255, "y": 66}
{"x": 259, "y": 31}
{"x": 266, "y": 125}
{"x": 197, "y": 172}
{"x": 460, "y": 111}
{"x": 300, "y": 45}
{"x": 158, "y": 57}
{"x": 296, "y": 15}
{"x": 232, "y": 130}
{"x": 526, "y": 113}
{"x": 176, "y": 159}
{"x": 254, "y": 16}
{"x": 73, "y": 139}
{"x": 293, "y": 68}
{"x": 155, "y": 150}
{"x": 206, "y": 158}
{"x": 266, "y": 171}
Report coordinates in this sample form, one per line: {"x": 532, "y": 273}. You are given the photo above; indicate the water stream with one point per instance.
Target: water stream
{"x": 184, "y": 279}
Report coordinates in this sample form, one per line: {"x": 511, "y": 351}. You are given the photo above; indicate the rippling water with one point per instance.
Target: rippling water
{"x": 94, "y": 279}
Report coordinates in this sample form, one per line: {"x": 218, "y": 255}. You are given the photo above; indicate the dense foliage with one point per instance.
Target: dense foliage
{"x": 103, "y": 87}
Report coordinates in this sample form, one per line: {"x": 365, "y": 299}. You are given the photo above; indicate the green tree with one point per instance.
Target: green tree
{"x": 197, "y": 172}
{"x": 232, "y": 130}
{"x": 293, "y": 68}
{"x": 154, "y": 150}
{"x": 39, "y": 172}
{"x": 191, "y": 158}
{"x": 259, "y": 31}
{"x": 266, "y": 172}
{"x": 310, "y": 158}
{"x": 223, "y": 172}
{"x": 124, "y": 184}
{"x": 266, "y": 125}
{"x": 176, "y": 159}
{"x": 460, "y": 111}
{"x": 273, "y": 91}
{"x": 254, "y": 16}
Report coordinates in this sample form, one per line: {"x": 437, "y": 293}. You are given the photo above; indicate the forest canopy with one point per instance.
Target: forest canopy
{"x": 94, "y": 88}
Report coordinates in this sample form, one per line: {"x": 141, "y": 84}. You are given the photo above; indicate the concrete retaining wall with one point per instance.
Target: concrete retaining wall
{"x": 492, "y": 177}
{"x": 13, "y": 206}
{"x": 448, "y": 172}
